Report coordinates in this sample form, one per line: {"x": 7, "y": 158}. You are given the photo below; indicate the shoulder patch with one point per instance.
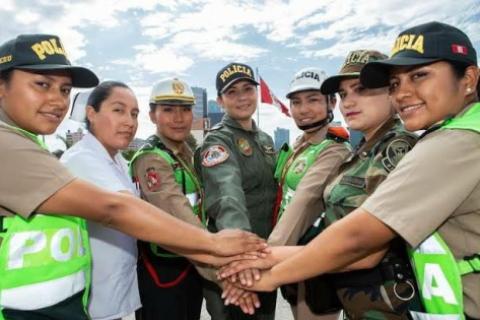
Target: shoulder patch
{"x": 214, "y": 155}
{"x": 244, "y": 146}
{"x": 394, "y": 152}
{"x": 153, "y": 179}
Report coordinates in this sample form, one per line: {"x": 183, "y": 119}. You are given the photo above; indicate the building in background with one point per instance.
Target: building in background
{"x": 281, "y": 136}
{"x": 355, "y": 137}
{"x": 199, "y": 114}
{"x": 73, "y": 137}
{"x": 214, "y": 114}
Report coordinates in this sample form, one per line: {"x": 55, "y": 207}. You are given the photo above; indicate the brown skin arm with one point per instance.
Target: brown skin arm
{"x": 349, "y": 240}
{"x": 143, "y": 221}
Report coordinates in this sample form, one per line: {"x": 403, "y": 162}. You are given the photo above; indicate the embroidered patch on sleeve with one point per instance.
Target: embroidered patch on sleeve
{"x": 153, "y": 179}
{"x": 214, "y": 155}
{"x": 394, "y": 152}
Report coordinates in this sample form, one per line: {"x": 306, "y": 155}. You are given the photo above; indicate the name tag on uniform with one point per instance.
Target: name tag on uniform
{"x": 357, "y": 182}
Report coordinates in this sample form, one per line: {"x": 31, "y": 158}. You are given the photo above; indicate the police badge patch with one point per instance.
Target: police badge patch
{"x": 214, "y": 155}
{"x": 153, "y": 179}
{"x": 394, "y": 152}
{"x": 244, "y": 146}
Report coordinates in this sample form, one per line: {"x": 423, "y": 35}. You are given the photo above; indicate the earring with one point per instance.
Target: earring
{"x": 469, "y": 90}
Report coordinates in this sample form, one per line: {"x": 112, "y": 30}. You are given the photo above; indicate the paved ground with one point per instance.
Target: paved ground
{"x": 282, "y": 313}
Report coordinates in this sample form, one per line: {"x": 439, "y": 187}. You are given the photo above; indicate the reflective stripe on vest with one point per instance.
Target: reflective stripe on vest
{"x": 295, "y": 169}
{"x": 44, "y": 259}
{"x": 437, "y": 271}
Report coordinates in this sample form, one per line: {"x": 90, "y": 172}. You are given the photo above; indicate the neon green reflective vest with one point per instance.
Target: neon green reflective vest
{"x": 438, "y": 272}
{"x": 185, "y": 178}
{"x": 291, "y": 171}
{"x": 44, "y": 259}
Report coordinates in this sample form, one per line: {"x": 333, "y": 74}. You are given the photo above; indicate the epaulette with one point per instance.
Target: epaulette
{"x": 338, "y": 134}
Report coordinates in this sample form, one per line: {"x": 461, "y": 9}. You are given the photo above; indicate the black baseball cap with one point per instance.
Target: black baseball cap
{"x": 42, "y": 52}
{"x": 232, "y": 73}
{"x": 422, "y": 44}
{"x": 354, "y": 63}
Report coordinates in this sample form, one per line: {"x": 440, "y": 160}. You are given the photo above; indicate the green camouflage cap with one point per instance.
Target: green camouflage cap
{"x": 422, "y": 44}
{"x": 351, "y": 68}
{"x": 42, "y": 52}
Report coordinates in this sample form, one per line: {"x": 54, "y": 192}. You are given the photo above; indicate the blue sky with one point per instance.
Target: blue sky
{"x": 140, "y": 42}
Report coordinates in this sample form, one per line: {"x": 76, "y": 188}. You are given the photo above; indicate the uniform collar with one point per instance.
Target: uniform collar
{"x": 183, "y": 151}
{"x": 314, "y": 139}
{"x": 6, "y": 119}
{"x": 365, "y": 146}
{"x": 228, "y": 121}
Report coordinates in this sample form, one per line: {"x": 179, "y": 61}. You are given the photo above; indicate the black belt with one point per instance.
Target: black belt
{"x": 396, "y": 271}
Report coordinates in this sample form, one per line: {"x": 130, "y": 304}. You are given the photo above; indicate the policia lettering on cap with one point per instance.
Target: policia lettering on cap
{"x": 431, "y": 199}
{"x": 44, "y": 253}
{"x": 236, "y": 162}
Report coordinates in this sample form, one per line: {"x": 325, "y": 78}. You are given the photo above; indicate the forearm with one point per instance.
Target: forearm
{"x": 341, "y": 244}
{"x": 367, "y": 262}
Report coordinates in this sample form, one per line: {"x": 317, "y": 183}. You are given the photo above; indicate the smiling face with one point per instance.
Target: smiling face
{"x": 308, "y": 107}
{"x": 364, "y": 109}
{"x": 36, "y": 102}
{"x": 115, "y": 124}
{"x": 174, "y": 122}
{"x": 240, "y": 100}
{"x": 427, "y": 94}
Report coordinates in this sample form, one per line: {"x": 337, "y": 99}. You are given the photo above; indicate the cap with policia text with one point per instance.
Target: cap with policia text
{"x": 422, "y": 44}
{"x": 42, "y": 52}
{"x": 351, "y": 68}
{"x": 306, "y": 79}
{"x": 172, "y": 91}
{"x": 232, "y": 73}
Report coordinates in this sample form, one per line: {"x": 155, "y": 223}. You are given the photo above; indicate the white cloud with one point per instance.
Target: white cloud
{"x": 161, "y": 60}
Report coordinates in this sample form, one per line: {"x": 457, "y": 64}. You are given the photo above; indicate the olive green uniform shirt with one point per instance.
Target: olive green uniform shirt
{"x": 239, "y": 190}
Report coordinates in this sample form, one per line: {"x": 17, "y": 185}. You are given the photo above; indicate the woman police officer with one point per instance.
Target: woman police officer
{"x": 431, "y": 199}
{"x": 44, "y": 249}
{"x": 169, "y": 285}
{"x": 303, "y": 172}
{"x": 236, "y": 164}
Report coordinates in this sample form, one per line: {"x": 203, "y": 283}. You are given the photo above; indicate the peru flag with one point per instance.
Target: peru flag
{"x": 456, "y": 48}
{"x": 267, "y": 96}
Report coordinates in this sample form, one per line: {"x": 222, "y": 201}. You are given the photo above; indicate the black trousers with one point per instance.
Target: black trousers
{"x": 180, "y": 302}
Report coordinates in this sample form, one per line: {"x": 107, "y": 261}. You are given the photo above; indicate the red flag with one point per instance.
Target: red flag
{"x": 267, "y": 96}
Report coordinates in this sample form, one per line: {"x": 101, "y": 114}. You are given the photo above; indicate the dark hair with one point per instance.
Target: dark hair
{"x": 101, "y": 93}
{"x": 6, "y": 75}
{"x": 459, "y": 70}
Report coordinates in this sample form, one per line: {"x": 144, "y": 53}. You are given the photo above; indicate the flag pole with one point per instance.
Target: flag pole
{"x": 259, "y": 99}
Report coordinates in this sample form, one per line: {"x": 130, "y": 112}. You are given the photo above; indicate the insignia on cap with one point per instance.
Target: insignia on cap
{"x": 48, "y": 48}
{"x": 5, "y": 59}
{"x": 153, "y": 179}
{"x": 244, "y": 146}
{"x": 394, "y": 152}
{"x": 233, "y": 69}
{"x": 214, "y": 155}
{"x": 177, "y": 87}
{"x": 456, "y": 48}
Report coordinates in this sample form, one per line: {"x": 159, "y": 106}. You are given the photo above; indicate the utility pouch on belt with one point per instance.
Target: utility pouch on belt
{"x": 320, "y": 294}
